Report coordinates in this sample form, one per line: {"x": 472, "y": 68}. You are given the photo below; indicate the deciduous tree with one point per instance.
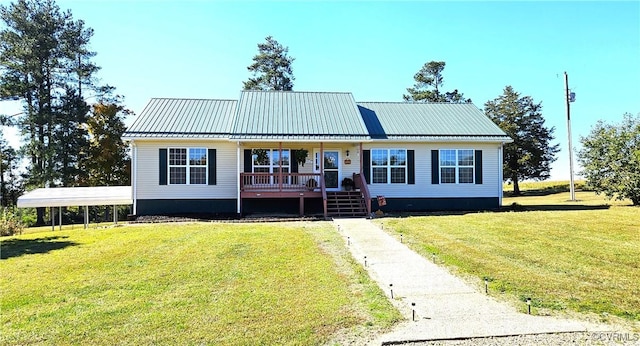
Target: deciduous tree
{"x": 429, "y": 81}
{"x": 610, "y": 157}
{"x": 531, "y": 153}
{"x": 10, "y": 186}
{"x": 107, "y": 162}
{"x": 271, "y": 67}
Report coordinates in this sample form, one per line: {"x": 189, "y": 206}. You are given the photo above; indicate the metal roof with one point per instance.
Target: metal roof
{"x": 76, "y": 196}
{"x": 311, "y": 116}
{"x": 185, "y": 118}
{"x": 275, "y": 115}
{"x": 417, "y": 120}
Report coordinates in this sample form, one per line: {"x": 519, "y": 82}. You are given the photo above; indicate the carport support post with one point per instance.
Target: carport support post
{"x": 115, "y": 215}
{"x": 53, "y": 218}
{"x": 86, "y": 217}
{"x": 60, "y": 218}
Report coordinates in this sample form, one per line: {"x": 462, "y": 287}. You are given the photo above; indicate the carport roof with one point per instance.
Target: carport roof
{"x": 76, "y": 196}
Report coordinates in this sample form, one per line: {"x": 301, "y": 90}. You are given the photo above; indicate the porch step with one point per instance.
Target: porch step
{"x": 346, "y": 203}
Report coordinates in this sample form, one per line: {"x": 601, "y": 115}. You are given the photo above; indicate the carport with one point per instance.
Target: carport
{"x": 77, "y": 196}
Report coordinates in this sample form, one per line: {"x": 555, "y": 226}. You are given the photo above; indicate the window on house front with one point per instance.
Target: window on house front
{"x": 188, "y": 166}
{"x": 388, "y": 166}
{"x": 456, "y": 166}
{"x": 268, "y": 161}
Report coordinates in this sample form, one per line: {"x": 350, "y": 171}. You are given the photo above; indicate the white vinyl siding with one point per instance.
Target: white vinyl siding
{"x": 147, "y": 171}
{"x": 423, "y": 188}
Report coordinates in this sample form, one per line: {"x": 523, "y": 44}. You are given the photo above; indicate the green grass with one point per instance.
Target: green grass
{"x": 529, "y": 188}
{"x": 232, "y": 284}
{"x": 575, "y": 256}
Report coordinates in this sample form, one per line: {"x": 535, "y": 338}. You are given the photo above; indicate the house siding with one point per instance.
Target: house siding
{"x": 153, "y": 198}
{"x": 423, "y": 187}
{"x": 147, "y": 182}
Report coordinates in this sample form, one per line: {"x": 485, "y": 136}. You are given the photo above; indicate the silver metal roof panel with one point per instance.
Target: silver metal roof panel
{"x": 167, "y": 117}
{"x": 278, "y": 114}
{"x": 428, "y": 120}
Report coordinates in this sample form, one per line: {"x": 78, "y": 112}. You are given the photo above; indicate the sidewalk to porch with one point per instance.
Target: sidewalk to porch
{"x": 445, "y": 306}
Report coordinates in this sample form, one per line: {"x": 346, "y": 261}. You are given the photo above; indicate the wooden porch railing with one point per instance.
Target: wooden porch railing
{"x": 280, "y": 182}
{"x": 361, "y": 183}
{"x": 324, "y": 197}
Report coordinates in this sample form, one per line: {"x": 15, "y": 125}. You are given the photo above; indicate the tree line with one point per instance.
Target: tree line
{"x": 46, "y": 63}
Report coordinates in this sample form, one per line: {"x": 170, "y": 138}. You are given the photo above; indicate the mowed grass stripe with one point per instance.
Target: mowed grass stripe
{"x": 582, "y": 260}
{"x": 178, "y": 284}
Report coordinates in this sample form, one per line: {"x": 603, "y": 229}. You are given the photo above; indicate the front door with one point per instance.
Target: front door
{"x": 331, "y": 167}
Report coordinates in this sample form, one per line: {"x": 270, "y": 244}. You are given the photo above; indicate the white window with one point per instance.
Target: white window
{"x": 269, "y": 161}
{"x": 388, "y": 166}
{"x": 456, "y": 166}
{"x": 188, "y": 166}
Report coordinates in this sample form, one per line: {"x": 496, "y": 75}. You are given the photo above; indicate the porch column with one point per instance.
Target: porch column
{"x": 322, "y": 182}
{"x": 238, "y": 194}
{"x": 280, "y": 165}
{"x": 60, "y": 218}
{"x": 360, "y": 159}
{"x": 321, "y": 158}
{"x": 301, "y": 206}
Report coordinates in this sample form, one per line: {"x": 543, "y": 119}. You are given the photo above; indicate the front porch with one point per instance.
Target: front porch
{"x": 303, "y": 171}
{"x": 306, "y": 186}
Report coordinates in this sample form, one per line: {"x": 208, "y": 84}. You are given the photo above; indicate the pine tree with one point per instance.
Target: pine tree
{"x": 531, "y": 154}
{"x": 429, "y": 81}
{"x": 45, "y": 62}
{"x": 271, "y": 68}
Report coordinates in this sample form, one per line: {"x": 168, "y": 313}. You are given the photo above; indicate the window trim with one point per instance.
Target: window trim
{"x": 272, "y": 166}
{"x": 188, "y": 166}
{"x": 457, "y": 166}
{"x": 389, "y": 166}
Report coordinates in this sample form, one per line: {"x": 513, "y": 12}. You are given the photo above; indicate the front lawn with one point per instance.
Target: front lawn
{"x": 232, "y": 284}
{"x": 581, "y": 256}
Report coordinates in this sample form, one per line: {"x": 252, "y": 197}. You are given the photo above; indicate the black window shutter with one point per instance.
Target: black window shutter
{"x": 435, "y": 167}
{"x": 366, "y": 165}
{"x": 212, "y": 163}
{"x": 293, "y": 162}
{"x": 248, "y": 161}
{"x": 478, "y": 167}
{"x": 411, "y": 167}
{"x": 162, "y": 169}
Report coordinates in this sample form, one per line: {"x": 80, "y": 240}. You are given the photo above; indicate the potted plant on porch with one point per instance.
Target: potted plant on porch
{"x": 348, "y": 184}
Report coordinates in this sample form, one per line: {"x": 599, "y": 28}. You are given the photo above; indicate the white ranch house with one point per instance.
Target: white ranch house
{"x": 210, "y": 156}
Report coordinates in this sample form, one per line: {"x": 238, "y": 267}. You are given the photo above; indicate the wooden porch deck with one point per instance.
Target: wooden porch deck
{"x": 294, "y": 185}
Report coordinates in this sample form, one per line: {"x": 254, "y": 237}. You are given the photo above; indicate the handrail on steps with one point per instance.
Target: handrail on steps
{"x": 361, "y": 183}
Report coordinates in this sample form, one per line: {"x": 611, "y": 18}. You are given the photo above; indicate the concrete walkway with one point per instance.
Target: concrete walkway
{"x": 445, "y": 306}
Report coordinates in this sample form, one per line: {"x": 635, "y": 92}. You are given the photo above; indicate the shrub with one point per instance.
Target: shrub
{"x": 10, "y": 223}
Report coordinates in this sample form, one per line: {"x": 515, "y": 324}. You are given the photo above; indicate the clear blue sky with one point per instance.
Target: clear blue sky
{"x": 201, "y": 49}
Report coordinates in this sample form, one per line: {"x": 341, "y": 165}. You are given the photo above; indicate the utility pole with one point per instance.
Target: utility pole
{"x": 570, "y": 98}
